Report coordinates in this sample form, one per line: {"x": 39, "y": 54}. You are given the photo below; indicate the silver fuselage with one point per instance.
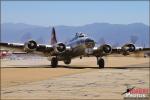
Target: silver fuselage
{"x": 78, "y": 47}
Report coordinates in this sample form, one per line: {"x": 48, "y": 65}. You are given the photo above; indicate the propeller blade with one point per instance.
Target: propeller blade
{"x": 115, "y": 45}
{"x": 26, "y": 37}
{"x": 133, "y": 39}
{"x": 40, "y": 40}
{"x": 101, "y": 41}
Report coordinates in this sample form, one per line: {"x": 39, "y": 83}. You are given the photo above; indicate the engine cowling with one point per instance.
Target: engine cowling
{"x": 60, "y": 47}
{"x": 128, "y": 48}
{"x": 30, "y": 46}
{"x": 105, "y": 48}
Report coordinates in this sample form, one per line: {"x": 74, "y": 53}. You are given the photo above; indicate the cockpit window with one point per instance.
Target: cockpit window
{"x": 80, "y": 35}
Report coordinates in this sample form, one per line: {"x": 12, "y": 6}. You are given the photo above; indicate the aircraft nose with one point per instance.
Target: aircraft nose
{"x": 89, "y": 43}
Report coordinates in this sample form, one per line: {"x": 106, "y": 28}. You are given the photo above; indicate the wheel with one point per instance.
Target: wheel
{"x": 54, "y": 62}
{"x": 68, "y": 61}
{"x": 101, "y": 63}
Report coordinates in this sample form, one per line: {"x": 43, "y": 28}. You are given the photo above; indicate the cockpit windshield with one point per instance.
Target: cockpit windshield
{"x": 80, "y": 35}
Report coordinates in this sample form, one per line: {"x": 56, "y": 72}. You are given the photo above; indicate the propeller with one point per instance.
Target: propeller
{"x": 28, "y": 36}
{"x": 101, "y": 41}
{"x": 32, "y": 44}
{"x": 115, "y": 45}
{"x": 40, "y": 40}
{"x": 133, "y": 39}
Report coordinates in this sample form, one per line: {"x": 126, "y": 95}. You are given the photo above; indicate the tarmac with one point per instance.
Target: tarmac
{"x": 35, "y": 79}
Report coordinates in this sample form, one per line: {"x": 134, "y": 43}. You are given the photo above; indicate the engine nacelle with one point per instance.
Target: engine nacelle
{"x": 60, "y": 47}
{"x": 30, "y": 46}
{"x": 128, "y": 47}
{"x": 105, "y": 49}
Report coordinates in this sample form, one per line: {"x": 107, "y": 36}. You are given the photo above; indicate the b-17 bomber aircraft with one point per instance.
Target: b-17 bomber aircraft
{"x": 80, "y": 46}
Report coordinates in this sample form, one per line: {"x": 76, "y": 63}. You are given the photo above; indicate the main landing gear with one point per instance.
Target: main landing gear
{"x": 54, "y": 62}
{"x": 100, "y": 62}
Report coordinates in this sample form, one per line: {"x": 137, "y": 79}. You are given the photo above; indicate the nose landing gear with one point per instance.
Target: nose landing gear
{"x": 67, "y": 61}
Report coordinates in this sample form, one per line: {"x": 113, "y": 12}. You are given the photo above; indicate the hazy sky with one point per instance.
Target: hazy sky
{"x": 74, "y": 13}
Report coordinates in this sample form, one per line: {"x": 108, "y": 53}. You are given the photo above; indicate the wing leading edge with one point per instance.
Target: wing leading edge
{"x": 126, "y": 49}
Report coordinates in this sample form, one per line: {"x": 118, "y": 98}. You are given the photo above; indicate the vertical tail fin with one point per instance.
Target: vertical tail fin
{"x": 53, "y": 37}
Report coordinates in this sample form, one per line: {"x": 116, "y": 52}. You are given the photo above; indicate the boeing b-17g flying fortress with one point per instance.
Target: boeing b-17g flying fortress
{"x": 80, "y": 46}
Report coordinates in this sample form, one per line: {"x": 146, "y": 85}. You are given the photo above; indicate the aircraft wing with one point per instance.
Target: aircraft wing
{"x": 127, "y": 49}
{"x": 30, "y": 47}
{"x": 17, "y": 47}
{"x": 136, "y": 52}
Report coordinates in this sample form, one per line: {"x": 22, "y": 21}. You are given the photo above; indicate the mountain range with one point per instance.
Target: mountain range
{"x": 114, "y": 34}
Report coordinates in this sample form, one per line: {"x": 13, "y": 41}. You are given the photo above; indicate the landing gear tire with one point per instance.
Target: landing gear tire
{"x": 101, "y": 63}
{"x": 54, "y": 62}
{"x": 68, "y": 61}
